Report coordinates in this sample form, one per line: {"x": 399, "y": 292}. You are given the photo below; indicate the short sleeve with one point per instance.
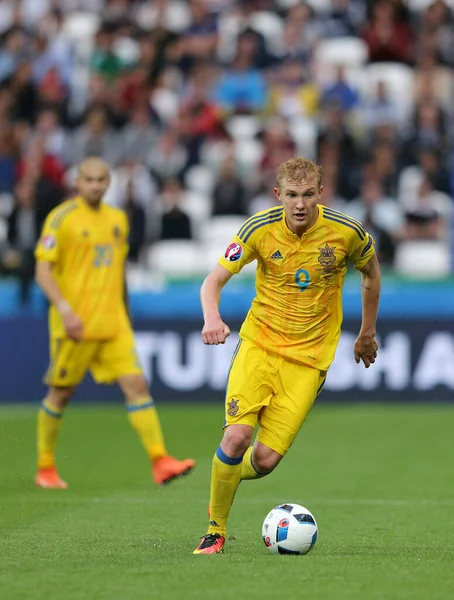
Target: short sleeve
{"x": 237, "y": 255}
{"x": 362, "y": 250}
{"x": 48, "y": 246}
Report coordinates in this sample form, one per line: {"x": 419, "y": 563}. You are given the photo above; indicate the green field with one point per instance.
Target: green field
{"x": 379, "y": 480}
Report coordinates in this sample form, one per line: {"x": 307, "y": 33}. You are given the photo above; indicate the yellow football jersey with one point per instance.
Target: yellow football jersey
{"x": 87, "y": 249}
{"x": 297, "y": 311}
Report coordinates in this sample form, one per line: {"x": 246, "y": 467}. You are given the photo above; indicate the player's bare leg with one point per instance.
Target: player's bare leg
{"x": 49, "y": 423}
{"x": 259, "y": 461}
{"x": 225, "y": 479}
{"x": 144, "y": 419}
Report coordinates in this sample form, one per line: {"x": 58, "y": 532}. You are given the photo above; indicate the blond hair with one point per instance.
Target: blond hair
{"x": 297, "y": 170}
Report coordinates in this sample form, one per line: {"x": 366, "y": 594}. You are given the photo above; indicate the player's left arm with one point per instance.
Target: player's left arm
{"x": 366, "y": 345}
{"x": 362, "y": 255}
{"x": 126, "y": 295}
{"x": 125, "y": 252}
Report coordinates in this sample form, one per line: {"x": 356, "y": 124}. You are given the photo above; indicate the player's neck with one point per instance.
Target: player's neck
{"x": 92, "y": 205}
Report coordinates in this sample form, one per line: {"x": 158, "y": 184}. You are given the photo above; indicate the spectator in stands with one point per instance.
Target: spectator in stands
{"x": 26, "y": 97}
{"x": 137, "y": 223}
{"x": 428, "y": 131}
{"x": 55, "y": 137}
{"x": 263, "y": 198}
{"x": 428, "y": 213}
{"x": 252, "y": 45}
{"x": 52, "y": 55}
{"x": 379, "y": 109}
{"x": 94, "y": 138}
{"x": 175, "y": 223}
{"x": 37, "y": 162}
{"x": 387, "y": 38}
{"x": 340, "y": 92}
{"x": 431, "y": 164}
{"x": 278, "y": 146}
{"x": 241, "y": 88}
{"x": 104, "y": 60}
{"x": 330, "y": 195}
{"x": 302, "y": 30}
{"x": 438, "y": 21}
{"x": 382, "y": 217}
{"x": 229, "y": 194}
{"x": 139, "y": 134}
{"x": 12, "y": 52}
{"x": 168, "y": 158}
{"x": 336, "y": 146}
{"x": 293, "y": 93}
{"x": 343, "y": 18}
{"x": 8, "y": 155}
{"x": 200, "y": 39}
{"x": 24, "y": 224}
{"x": 198, "y": 118}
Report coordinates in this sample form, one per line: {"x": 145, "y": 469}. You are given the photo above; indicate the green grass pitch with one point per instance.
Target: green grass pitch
{"x": 379, "y": 480}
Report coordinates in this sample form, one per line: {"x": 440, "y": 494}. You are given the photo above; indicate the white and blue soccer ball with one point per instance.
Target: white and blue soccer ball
{"x": 289, "y": 529}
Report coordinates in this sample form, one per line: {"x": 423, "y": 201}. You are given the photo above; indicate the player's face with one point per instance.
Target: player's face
{"x": 300, "y": 203}
{"x": 92, "y": 184}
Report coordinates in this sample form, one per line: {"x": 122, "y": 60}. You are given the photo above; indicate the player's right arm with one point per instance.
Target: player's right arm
{"x": 236, "y": 256}
{"x": 47, "y": 255}
{"x": 46, "y": 281}
{"x": 214, "y": 331}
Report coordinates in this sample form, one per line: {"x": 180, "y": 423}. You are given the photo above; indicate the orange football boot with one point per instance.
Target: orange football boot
{"x": 167, "y": 468}
{"x": 49, "y": 479}
{"x": 212, "y": 543}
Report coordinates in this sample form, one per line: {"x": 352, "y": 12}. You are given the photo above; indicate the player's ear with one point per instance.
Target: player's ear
{"x": 320, "y": 192}
{"x": 277, "y": 193}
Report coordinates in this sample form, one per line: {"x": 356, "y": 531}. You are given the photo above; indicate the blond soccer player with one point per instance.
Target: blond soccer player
{"x": 289, "y": 337}
{"x": 81, "y": 259}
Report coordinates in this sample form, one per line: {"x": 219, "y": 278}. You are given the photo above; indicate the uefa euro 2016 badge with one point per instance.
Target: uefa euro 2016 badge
{"x": 48, "y": 242}
{"x": 234, "y": 252}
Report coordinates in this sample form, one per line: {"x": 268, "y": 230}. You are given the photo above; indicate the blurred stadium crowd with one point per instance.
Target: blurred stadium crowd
{"x": 195, "y": 103}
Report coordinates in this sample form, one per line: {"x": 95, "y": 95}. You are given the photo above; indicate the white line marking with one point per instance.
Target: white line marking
{"x": 59, "y": 497}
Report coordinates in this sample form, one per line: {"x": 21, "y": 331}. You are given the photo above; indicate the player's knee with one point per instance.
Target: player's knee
{"x": 59, "y": 397}
{"x": 237, "y": 439}
{"x": 265, "y": 461}
{"x": 134, "y": 387}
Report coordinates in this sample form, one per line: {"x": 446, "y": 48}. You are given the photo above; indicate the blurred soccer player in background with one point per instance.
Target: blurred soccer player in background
{"x": 81, "y": 269}
{"x": 289, "y": 337}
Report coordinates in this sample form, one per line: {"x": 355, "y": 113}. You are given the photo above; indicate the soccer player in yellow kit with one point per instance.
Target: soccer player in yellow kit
{"x": 289, "y": 337}
{"x": 81, "y": 259}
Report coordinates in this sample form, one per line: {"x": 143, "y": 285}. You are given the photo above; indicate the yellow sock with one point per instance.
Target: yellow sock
{"x": 225, "y": 479}
{"x": 248, "y": 471}
{"x": 143, "y": 417}
{"x": 49, "y": 423}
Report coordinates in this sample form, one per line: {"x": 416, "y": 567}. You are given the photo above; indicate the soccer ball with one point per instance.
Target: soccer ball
{"x": 289, "y": 529}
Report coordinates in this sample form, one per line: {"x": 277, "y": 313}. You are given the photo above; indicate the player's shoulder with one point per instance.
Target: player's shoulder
{"x": 260, "y": 222}
{"x": 116, "y": 216}
{"x": 61, "y": 212}
{"x": 343, "y": 223}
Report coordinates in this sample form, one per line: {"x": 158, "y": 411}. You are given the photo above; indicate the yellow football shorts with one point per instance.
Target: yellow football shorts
{"x": 271, "y": 391}
{"x": 106, "y": 360}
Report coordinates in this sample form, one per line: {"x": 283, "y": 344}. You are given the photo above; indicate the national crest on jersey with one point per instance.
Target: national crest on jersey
{"x": 327, "y": 257}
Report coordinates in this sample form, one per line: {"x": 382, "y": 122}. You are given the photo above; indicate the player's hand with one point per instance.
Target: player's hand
{"x": 215, "y": 332}
{"x": 366, "y": 348}
{"x": 72, "y": 323}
